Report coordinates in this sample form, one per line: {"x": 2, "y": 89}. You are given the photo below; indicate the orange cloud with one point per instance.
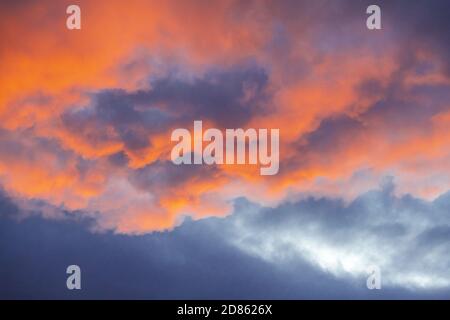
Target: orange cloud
{"x": 48, "y": 71}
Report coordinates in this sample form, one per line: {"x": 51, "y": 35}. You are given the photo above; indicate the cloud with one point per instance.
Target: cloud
{"x": 86, "y": 116}
{"x": 312, "y": 248}
{"x": 406, "y": 237}
{"x": 128, "y": 120}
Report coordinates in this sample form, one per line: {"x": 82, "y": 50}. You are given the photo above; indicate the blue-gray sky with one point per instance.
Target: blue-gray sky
{"x": 256, "y": 253}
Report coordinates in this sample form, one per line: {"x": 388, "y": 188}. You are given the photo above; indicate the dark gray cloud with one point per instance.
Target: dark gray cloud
{"x": 406, "y": 237}
{"x": 422, "y": 24}
{"x": 341, "y": 25}
{"x": 193, "y": 261}
{"x": 162, "y": 175}
{"x": 23, "y": 145}
{"x": 229, "y": 98}
{"x": 254, "y": 253}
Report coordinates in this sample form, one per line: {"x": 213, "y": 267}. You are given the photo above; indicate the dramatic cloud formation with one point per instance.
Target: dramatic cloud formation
{"x": 86, "y": 117}
{"x": 312, "y": 248}
{"x": 407, "y": 237}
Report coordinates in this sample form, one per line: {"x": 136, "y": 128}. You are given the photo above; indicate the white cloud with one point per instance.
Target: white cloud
{"x": 408, "y": 238}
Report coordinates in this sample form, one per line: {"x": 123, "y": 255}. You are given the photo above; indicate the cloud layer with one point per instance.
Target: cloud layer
{"x": 312, "y": 248}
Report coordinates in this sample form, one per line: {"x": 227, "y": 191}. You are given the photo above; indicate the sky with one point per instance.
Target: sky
{"x": 86, "y": 176}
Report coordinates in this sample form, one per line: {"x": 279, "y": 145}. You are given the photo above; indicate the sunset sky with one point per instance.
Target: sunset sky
{"x": 86, "y": 176}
